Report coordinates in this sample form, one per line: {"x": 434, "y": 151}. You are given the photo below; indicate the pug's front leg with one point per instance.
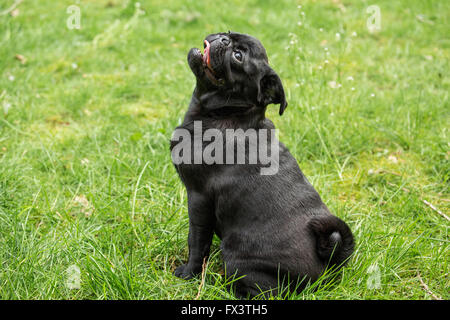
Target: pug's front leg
{"x": 201, "y": 230}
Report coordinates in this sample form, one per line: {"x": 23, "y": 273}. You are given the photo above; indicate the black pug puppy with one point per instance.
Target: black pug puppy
{"x": 274, "y": 227}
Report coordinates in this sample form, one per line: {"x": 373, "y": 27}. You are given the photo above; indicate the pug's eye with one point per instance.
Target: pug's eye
{"x": 237, "y": 55}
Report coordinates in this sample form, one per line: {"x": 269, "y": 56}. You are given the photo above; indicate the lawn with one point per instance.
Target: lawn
{"x": 90, "y": 204}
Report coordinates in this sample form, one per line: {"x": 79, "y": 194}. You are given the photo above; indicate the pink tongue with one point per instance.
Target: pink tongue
{"x": 206, "y": 58}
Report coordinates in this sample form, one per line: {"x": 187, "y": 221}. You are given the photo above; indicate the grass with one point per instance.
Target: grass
{"x": 86, "y": 115}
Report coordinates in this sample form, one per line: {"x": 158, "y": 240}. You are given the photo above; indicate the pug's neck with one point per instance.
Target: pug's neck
{"x": 225, "y": 113}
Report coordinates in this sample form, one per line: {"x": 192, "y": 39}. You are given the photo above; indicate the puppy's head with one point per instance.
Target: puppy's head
{"x": 233, "y": 71}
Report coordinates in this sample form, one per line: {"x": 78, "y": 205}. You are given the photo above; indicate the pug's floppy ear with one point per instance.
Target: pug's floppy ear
{"x": 270, "y": 90}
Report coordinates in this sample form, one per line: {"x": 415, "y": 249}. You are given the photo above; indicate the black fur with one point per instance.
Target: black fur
{"x": 273, "y": 227}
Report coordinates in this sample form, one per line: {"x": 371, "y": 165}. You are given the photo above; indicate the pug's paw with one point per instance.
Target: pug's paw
{"x": 187, "y": 272}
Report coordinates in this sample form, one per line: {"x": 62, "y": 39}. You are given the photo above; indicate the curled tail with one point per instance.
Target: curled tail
{"x": 334, "y": 240}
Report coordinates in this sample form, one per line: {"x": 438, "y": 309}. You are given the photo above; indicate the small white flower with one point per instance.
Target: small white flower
{"x": 73, "y": 281}
{"x": 350, "y": 78}
{"x": 6, "y": 107}
{"x": 82, "y": 202}
{"x": 338, "y": 36}
{"x": 393, "y": 159}
{"x": 319, "y": 67}
{"x": 11, "y": 78}
{"x": 302, "y": 13}
{"x": 327, "y": 53}
{"x": 353, "y": 89}
{"x": 299, "y": 23}
{"x": 372, "y": 95}
{"x": 326, "y": 49}
{"x": 334, "y": 85}
{"x": 354, "y": 34}
{"x": 321, "y": 29}
{"x": 74, "y": 66}
{"x": 299, "y": 6}
{"x": 326, "y": 62}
